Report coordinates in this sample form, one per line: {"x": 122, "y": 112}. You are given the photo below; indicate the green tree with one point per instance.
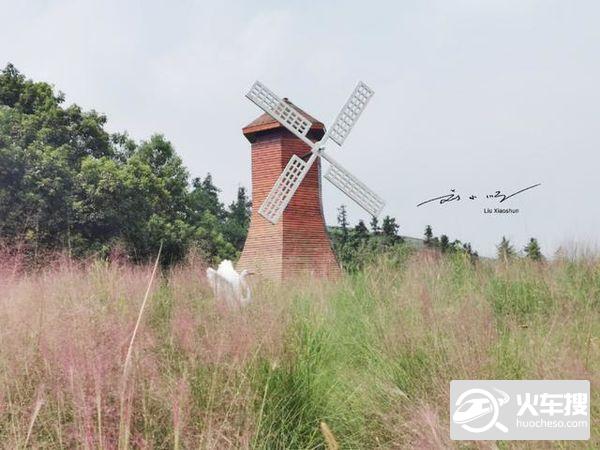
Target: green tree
{"x": 220, "y": 234}
{"x": 155, "y": 207}
{"x": 389, "y": 228}
{"x": 533, "y": 250}
{"x": 361, "y": 232}
{"x": 444, "y": 243}
{"x": 342, "y": 219}
{"x": 505, "y": 250}
{"x": 205, "y": 197}
{"x": 99, "y": 205}
{"x": 375, "y": 225}
{"x": 65, "y": 182}
{"x": 428, "y": 235}
{"x": 11, "y": 85}
{"x": 42, "y": 147}
{"x": 238, "y": 220}
{"x": 456, "y": 246}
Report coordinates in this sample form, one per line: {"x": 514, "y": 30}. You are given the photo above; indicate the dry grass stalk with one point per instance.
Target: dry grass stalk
{"x": 36, "y": 410}
{"x": 124, "y": 427}
{"x": 329, "y": 437}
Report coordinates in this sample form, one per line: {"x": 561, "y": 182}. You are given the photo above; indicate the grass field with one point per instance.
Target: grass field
{"x": 371, "y": 355}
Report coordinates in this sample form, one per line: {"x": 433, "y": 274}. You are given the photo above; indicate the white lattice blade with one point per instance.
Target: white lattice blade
{"x": 350, "y": 113}
{"x": 354, "y": 188}
{"x": 281, "y": 111}
{"x": 284, "y": 188}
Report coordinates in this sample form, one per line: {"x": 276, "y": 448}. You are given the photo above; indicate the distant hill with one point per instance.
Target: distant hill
{"x": 414, "y": 242}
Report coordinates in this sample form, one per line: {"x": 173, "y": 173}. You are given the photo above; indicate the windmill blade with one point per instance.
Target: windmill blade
{"x": 353, "y": 187}
{"x": 284, "y": 188}
{"x": 281, "y": 111}
{"x": 350, "y": 113}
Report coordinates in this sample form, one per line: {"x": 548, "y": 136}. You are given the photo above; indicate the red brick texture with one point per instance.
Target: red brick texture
{"x": 298, "y": 244}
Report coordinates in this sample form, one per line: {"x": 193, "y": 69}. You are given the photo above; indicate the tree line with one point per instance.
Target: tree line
{"x": 355, "y": 246}
{"x": 358, "y": 245}
{"x": 67, "y": 183}
{"x": 506, "y": 251}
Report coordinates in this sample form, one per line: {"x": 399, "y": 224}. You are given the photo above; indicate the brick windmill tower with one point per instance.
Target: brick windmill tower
{"x": 287, "y": 234}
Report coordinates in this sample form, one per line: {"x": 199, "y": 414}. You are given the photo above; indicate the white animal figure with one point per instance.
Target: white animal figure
{"x": 228, "y": 285}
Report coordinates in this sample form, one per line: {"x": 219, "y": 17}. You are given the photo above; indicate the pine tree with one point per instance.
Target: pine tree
{"x": 240, "y": 209}
{"x": 468, "y": 250}
{"x": 237, "y": 221}
{"x": 342, "y": 219}
{"x": 389, "y": 227}
{"x": 444, "y": 243}
{"x": 205, "y": 197}
{"x": 533, "y": 250}
{"x": 375, "y": 225}
{"x": 428, "y": 235}
{"x": 389, "y": 231}
{"x": 456, "y": 245}
{"x": 361, "y": 231}
{"x": 505, "y": 250}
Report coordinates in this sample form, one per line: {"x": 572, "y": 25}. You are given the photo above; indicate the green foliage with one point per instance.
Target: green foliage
{"x": 361, "y": 232}
{"x": 510, "y": 358}
{"x": 428, "y": 235}
{"x": 411, "y": 370}
{"x": 66, "y": 183}
{"x": 210, "y": 239}
{"x": 505, "y": 250}
{"x": 205, "y": 197}
{"x": 582, "y": 282}
{"x": 375, "y": 225}
{"x": 389, "y": 228}
{"x": 342, "y": 220}
{"x": 156, "y": 197}
{"x": 237, "y": 221}
{"x": 294, "y": 394}
{"x": 444, "y": 243}
{"x": 533, "y": 250}
{"x": 357, "y": 246}
{"x": 519, "y": 298}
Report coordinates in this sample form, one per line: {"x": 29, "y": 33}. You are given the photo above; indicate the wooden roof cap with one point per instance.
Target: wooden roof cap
{"x": 265, "y": 122}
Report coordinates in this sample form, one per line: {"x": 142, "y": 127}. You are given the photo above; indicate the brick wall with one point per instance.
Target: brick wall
{"x": 298, "y": 243}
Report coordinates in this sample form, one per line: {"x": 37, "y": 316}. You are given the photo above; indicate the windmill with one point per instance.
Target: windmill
{"x": 296, "y": 169}
{"x": 288, "y": 236}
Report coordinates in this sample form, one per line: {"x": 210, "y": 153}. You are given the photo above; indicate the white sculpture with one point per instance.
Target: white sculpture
{"x": 229, "y": 285}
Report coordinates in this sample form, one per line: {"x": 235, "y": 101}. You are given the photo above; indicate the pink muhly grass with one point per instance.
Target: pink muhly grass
{"x": 180, "y": 409}
{"x": 426, "y": 305}
{"x": 184, "y": 325}
{"x": 429, "y": 432}
{"x": 191, "y": 378}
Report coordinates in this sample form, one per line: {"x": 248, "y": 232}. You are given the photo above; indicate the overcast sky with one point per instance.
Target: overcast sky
{"x": 470, "y": 95}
